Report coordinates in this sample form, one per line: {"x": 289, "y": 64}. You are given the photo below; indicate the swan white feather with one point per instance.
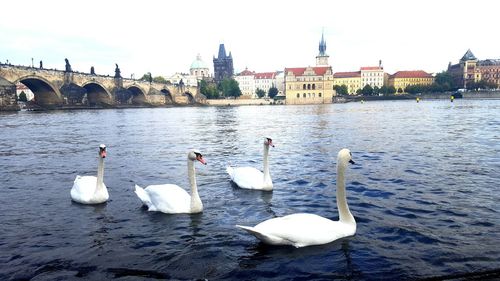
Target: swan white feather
{"x": 91, "y": 189}
{"x": 252, "y": 178}
{"x": 302, "y": 229}
{"x": 171, "y": 198}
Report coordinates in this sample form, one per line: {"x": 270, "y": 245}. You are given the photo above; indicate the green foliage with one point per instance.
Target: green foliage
{"x": 481, "y": 85}
{"x": 147, "y": 77}
{"x": 273, "y": 91}
{"x": 400, "y": 90}
{"x": 367, "y": 90}
{"x": 391, "y": 90}
{"x": 415, "y": 89}
{"x": 444, "y": 82}
{"x": 341, "y": 90}
{"x": 230, "y": 88}
{"x": 209, "y": 90}
{"x": 160, "y": 79}
{"x": 23, "y": 97}
{"x": 260, "y": 93}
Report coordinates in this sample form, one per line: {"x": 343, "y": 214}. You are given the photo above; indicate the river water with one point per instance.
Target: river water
{"x": 424, "y": 191}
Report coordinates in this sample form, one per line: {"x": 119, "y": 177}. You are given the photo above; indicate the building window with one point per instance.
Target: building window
{"x": 304, "y": 95}
{"x": 314, "y": 86}
{"x": 304, "y": 87}
{"x": 309, "y": 86}
{"x": 309, "y": 95}
{"x": 319, "y": 95}
{"x": 298, "y": 95}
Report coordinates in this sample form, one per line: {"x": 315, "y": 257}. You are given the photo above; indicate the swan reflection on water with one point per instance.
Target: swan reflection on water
{"x": 338, "y": 253}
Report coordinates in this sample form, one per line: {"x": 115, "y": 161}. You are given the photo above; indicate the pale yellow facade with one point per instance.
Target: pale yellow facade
{"x": 309, "y": 85}
{"x": 403, "y": 79}
{"x": 353, "y": 84}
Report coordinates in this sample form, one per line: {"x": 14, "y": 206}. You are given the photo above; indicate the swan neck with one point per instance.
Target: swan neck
{"x": 196, "y": 205}
{"x": 267, "y": 175}
{"x": 100, "y": 174}
{"x": 344, "y": 213}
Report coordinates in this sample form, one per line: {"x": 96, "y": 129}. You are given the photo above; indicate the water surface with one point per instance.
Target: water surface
{"x": 424, "y": 191}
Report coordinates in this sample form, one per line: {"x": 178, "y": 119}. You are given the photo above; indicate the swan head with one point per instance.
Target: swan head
{"x": 268, "y": 141}
{"x": 195, "y": 155}
{"x": 344, "y": 157}
{"x": 102, "y": 151}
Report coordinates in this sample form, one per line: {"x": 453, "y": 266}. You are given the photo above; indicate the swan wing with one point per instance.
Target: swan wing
{"x": 300, "y": 230}
{"x": 83, "y": 189}
{"x": 168, "y": 198}
{"x": 246, "y": 177}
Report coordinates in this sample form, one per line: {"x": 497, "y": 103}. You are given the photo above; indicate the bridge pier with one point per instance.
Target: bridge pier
{"x": 8, "y": 96}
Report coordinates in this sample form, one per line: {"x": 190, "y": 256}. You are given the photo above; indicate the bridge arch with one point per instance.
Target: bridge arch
{"x": 190, "y": 97}
{"x": 97, "y": 94}
{"x": 169, "y": 98}
{"x": 138, "y": 95}
{"x": 46, "y": 95}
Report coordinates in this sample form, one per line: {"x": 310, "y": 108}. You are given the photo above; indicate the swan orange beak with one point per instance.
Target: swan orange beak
{"x": 200, "y": 158}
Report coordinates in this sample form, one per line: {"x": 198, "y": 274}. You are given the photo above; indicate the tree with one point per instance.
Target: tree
{"x": 400, "y": 90}
{"x": 230, "y": 88}
{"x": 367, "y": 90}
{"x": 341, "y": 90}
{"x": 260, "y": 93}
{"x": 391, "y": 90}
{"x": 376, "y": 90}
{"x": 384, "y": 90}
{"x": 209, "y": 90}
{"x": 160, "y": 79}
{"x": 146, "y": 77}
{"x": 22, "y": 96}
{"x": 273, "y": 91}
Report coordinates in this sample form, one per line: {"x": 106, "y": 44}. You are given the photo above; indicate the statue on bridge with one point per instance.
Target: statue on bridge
{"x": 117, "y": 71}
{"x": 41, "y": 64}
{"x": 68, "y": 66}
{"x": 92, "y": 72}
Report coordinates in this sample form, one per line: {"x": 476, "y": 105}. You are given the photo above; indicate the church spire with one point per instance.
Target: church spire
{"x": 322, "y": 45}
{"x": 322, "y": 57}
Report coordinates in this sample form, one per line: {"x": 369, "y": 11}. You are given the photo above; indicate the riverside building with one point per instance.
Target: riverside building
{"x": 312, "y": 84}
{"x": 402, "y": 79}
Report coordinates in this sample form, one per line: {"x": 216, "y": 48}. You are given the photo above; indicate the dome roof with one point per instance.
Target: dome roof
{"x": 198, "y": 63}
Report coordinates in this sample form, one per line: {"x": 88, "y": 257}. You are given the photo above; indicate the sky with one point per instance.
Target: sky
{"x": 164, "y": 37}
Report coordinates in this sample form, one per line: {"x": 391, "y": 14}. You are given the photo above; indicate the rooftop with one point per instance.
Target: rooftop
{"x": 299, "y": 71}
{"x": 411, "y": 74}
{"x": 265, "y": 75}
{"x": 347, "y": 74}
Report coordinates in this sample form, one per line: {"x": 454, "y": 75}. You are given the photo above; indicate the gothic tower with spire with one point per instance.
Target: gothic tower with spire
{"x": 223, "y": 65}
{"x": 322, "y": 57}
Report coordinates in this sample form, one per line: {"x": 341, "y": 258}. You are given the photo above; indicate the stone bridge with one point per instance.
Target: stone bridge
{"x": 70, "y": 89}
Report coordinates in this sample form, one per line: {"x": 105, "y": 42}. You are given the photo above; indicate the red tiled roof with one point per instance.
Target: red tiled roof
{"x": 411, "y": 74}
{"x": 371, "y": 68}
{"x": 299, "y": 71}
{"x": 246, "y": 72}
{"x": 265, "y": 75}
{"x": 347, "y": 74}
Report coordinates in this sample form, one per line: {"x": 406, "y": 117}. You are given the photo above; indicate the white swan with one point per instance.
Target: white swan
{"x": 170, "y": 198}
{"x": 302, "y": 229}
{"x": 90, "y": 189}
{"x": 251, "y": 178}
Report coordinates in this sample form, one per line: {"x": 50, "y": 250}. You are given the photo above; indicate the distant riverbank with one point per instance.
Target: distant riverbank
{"x": 424, "y": 96}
